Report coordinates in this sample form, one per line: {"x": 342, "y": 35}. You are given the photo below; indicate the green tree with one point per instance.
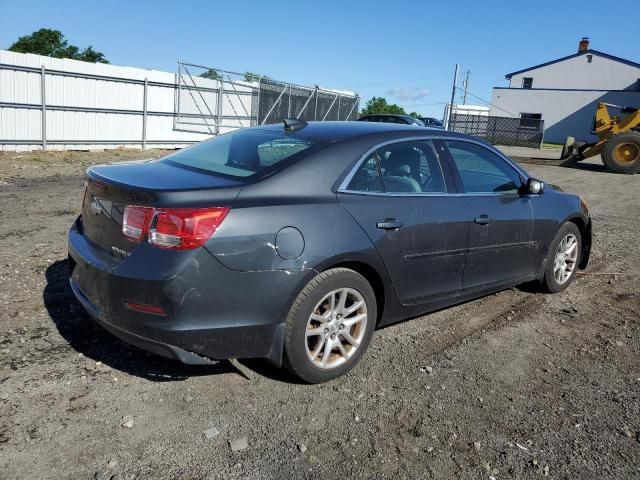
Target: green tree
{"x": 52, "y": 43}
{"x": 90, "y": 55}
{"x": 211, "y": 74}
{"x": 380, "y": 105}
{"x": 254, "y": 77}
{"x": 415, "y": 115}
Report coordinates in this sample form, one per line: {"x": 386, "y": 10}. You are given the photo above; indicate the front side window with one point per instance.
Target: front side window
{"x": 482, "y": 171}
{"x": 244, "y": 153}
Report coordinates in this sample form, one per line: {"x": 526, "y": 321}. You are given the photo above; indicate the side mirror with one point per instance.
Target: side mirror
{"x": 535, "y": 187}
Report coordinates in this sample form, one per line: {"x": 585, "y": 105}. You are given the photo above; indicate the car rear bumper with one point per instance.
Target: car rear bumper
{"x": 210, "y": 311}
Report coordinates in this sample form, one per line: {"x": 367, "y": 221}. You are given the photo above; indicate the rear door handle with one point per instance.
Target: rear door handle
{"x": 389, "y": 224}
{"x": 482, "y": 220}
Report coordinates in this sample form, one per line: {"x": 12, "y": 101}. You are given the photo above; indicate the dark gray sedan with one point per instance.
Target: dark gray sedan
{"x": 294, "y": 243}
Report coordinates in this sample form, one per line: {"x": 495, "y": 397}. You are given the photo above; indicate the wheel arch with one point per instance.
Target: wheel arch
{"x": 372, "y": 276}
{"x": 371, "y": 268}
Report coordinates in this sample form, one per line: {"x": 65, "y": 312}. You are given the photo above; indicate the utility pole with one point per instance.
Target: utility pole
{"x": 453, "y": 97}
{"x": 466, "y": 87}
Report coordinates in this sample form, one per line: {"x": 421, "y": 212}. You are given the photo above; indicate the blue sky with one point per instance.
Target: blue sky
{"x": 402, "y": 50}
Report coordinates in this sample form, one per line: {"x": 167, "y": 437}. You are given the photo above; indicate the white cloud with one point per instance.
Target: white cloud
{"x": 406, "y": 93}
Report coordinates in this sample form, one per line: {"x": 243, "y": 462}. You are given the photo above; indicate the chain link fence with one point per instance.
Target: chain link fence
{"x": 521, "y": 132}
{"x": 214, "y": 101}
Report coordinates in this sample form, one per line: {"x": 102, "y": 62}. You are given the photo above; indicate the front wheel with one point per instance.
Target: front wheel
{"x": 563, "y": 259}
{"x": 330, "y": 325}
{"x": 622, "y": 153}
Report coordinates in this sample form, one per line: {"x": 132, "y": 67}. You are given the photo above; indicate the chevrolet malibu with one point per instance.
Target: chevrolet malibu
{"x": 295, "y": 242}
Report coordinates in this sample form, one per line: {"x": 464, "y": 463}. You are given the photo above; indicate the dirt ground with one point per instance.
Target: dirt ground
{"x": 514, "y": 385}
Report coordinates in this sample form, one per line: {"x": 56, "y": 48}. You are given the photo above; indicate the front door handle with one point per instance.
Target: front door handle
{"x": 389, "y": 224}
{"x": 482, "y": 220}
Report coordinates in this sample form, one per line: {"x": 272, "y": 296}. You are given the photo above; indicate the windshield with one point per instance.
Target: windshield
{"x": 416, "y": 121}
{"x": 244, "y": 153}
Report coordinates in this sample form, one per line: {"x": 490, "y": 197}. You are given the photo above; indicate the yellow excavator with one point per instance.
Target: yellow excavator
{"x": 618, "y": 140}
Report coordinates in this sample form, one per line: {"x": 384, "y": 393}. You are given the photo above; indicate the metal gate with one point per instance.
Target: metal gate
{"x": 215, "y": 101}
{"x": 521, "y": 132}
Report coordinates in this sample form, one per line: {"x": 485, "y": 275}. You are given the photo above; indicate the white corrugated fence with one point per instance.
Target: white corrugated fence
{"x": 87, "y": 105}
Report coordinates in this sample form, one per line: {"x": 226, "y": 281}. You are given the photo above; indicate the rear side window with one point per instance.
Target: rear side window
{"x": 245, "y": 153}
{"x": 406, "y": 167}
{"x": 411, "y": 167}
{"x": 367, "y": 177}
{"x": 482, "y": 171}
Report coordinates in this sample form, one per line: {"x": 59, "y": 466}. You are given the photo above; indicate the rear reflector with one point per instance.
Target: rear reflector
{"x": 174, "y": 228}
{"x": 140, "y": 307}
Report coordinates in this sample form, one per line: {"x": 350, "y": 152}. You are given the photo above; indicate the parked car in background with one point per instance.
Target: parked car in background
{"x": 432, "y": 122}
{"x": 295, "y": 243}
{"x": 392, "y": 118}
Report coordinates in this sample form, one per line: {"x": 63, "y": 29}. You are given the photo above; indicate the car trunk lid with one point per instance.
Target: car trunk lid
{"x": 110, "y": 188}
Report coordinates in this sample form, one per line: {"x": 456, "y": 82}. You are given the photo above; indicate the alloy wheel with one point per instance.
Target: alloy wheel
{"x": 566, "y": 258}
{"x": 336, "y": 328}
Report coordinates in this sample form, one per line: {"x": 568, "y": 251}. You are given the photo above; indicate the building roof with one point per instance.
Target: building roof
{"x": 589, "y": 51}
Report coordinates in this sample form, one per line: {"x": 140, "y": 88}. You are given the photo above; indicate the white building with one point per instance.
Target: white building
{"x": 565, "y": 92}
{"x": 470, "y": 110}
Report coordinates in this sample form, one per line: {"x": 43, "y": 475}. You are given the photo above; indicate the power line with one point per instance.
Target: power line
{"x": 426, "y": 104}
{"x": 415, "y": 81}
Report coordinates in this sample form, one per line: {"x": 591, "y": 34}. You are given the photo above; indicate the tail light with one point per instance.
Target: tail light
{"x": 136, "y": 222}
{"x": 174, "y": 228}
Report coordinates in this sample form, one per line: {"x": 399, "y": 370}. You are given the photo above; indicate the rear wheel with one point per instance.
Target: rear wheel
{"x": 330, "y": 325}
{"x": 622, "y": 153}
{"x": 563, "y": 258}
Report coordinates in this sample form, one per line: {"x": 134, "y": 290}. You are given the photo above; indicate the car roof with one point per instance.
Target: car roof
{"x": 342, "y": 130}
{"x": 344, "y": 144}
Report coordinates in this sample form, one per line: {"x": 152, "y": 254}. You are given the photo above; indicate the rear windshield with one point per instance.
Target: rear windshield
{"x": 245, "y": 153}
{"x": 415, "y": 121}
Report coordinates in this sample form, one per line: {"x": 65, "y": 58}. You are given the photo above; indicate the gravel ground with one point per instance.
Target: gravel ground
{"x": 514, "y": 385}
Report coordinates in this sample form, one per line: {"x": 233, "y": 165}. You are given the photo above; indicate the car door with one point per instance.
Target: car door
{"x": 399, "y": 194}
{"x": 501, "y": 227}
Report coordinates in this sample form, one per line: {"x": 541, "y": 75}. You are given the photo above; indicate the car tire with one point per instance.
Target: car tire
{"x": 313, "y": 328}
{"x": 563, "y": 259}
{"x": 622, "y": 153}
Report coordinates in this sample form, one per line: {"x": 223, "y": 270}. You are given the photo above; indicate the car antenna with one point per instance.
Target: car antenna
{"x": 293, "y": 124}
